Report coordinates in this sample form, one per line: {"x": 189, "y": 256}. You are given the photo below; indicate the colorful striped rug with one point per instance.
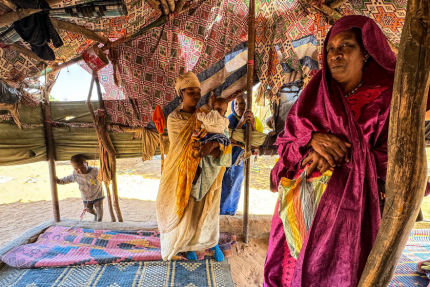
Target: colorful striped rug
{"x": 417, "y": 249}
{"x": 58, "y": 246}
{"x": 205, "y": 273}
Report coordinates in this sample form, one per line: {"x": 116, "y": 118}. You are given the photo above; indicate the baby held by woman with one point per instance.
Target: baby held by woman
{"x": 212, "y": 127}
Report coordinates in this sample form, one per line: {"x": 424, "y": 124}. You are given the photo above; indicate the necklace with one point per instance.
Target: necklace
{"x": 354, "y": 90}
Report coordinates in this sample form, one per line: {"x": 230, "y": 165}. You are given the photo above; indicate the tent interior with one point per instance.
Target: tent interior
{"x": 138, "y": 49}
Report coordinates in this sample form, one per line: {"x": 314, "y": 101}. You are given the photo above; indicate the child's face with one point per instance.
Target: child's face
{"x": 221, "y": 108}
{"x": 80, "y": 168}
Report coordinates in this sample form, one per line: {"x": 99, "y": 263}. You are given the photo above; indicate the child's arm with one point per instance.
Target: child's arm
{"x": 66, "y": 180}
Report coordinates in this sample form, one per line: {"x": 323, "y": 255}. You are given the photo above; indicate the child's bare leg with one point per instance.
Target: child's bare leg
{"x": 91, "y": 210}
{"x": 99, "y": 210}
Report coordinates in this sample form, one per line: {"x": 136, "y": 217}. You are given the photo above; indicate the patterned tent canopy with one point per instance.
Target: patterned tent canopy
{"x": 290, "y": 34}
{"x": 210, "y": 40}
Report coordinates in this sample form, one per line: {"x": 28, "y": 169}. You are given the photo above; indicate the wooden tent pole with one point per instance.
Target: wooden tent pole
{"x": 250, "y": 84}
{"x": 9, "y": 4}
{"x": 46, "y": 111}
{"x": 26, "y": 52}
{"x": 407, "y": 167}
{"x": 109, "y": 196}
{"x": 93, "y": 116}
{"x": 76, "y": 29}
{"x": 107, "y": 144}
{"x": 10, "y": 17}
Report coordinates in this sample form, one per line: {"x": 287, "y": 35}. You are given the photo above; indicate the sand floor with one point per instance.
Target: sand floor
{"x": 25, "y": 202}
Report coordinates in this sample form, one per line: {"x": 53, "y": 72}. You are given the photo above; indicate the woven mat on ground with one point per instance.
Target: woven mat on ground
{"x": 58, "y": 246}
{"x": 125, "y": 274}
{"x": 417, "y": 249}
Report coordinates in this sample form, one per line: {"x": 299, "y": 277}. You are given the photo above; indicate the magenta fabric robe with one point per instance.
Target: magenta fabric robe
{"x": 347, "y": 219}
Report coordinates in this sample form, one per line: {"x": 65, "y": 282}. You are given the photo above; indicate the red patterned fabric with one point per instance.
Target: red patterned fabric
{"x": 362, "y": 97}
{"x": 150, "y": 63}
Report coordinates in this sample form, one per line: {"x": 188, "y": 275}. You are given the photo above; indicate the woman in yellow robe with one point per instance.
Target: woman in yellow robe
{"x": 189, "y": 223}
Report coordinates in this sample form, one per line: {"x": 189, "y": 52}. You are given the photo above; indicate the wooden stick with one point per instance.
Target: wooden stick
{"x": 50, "y": 151}
{"x": 250, "y": 84}
{"x": 171, "y": 5}
{"x": 337, "y": 3}
{"x": 70, "y": 27}
{"x": 8, "y": 18}
{"x": 26, "y": 52}
{"x": 407, "y": 166}
{"x": 108, "y": 146}
{"x": 93, "y": 116}
{"x": 165, "y": 7}
{"x": 9, "y": 4}
{"x": 154, "y": 4}
{"x": 109, "y": 200}
{"x": 179, "y": 5}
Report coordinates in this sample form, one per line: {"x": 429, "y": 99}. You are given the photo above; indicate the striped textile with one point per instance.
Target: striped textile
{"x": 417, "y": 249}
{"x": 92, "y": 10}
{"x": 205, "y": 273}
{"x": 298, "y": 202}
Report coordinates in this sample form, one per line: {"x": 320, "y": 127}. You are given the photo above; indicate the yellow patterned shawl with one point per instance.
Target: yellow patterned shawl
{"x": 179, "y": 170}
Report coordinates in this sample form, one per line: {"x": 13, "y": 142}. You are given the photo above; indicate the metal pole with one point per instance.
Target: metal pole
{"x": 46, "y": 111}
{"x": 250, "y": 84}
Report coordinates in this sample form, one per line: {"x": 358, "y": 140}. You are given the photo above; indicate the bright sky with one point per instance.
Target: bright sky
{"x": 73, "y": 84}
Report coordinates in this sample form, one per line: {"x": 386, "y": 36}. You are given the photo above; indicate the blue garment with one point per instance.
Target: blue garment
{"x": 233, "y": 177}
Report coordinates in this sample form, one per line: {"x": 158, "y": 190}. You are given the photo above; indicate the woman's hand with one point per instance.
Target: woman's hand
{"x": 247, "y": 117}
{"x": 334, "y": 150}
{"x": 316, "y": 161}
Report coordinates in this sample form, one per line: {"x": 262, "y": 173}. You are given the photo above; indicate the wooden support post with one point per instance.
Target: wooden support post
{"x": 108, "y": 146}
{"x": 93, "y": 116}
{"x": 76, "y": 29}
{"x": 46, "y": 111}
{"x": 250, "y": 84}
{"x": 8, "y": 18}
{"x": 26, "y": 52}
{"x": 109, "y": 200}
{"x": 407, "y": 167}
{"x": 9, "y": 4}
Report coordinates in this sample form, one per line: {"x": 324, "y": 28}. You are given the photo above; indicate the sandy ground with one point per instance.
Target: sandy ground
{"x": 25, "y": 202}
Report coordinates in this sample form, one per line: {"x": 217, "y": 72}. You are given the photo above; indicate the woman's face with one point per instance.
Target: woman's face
{"x": 239, "y": 105}
{"x": 345, "y": 57}
{"x": 191, "y": 97}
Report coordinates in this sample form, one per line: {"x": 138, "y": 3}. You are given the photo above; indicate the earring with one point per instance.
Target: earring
{"x": 366, "y": 57}
{"x": 180, "y": 99}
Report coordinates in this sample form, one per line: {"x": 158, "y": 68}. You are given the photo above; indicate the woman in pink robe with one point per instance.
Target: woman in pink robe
{"x": 339, "y": 123}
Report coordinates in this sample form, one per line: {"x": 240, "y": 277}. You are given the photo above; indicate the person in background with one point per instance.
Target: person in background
{"x": 270, "y": 123}
{"x": 91, "y": 189}
{"x": 233, "y": 177}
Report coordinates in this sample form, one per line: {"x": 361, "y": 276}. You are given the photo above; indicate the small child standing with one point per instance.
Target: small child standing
{"x": 90, "y": 187}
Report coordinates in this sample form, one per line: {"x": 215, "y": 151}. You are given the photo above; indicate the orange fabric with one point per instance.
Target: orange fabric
{"x": 187, "y": 166}
{"x": 158, "y": 119}
{"x": 298, "y": 210}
